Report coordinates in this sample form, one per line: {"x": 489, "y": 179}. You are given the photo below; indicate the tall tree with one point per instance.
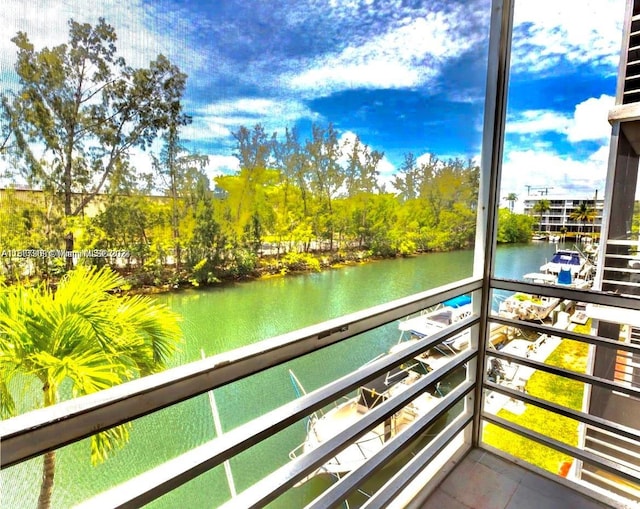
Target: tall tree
{"x": 85, "y": 335}
{"x": 361, "y": 182}
{"x": 177, "y": 170}
{"x": 407, "y": 181}
{"x": 541, "y": 207}
{"x": 327, "y": 176}
{"x": 87, "y": 108}
{"x": 583, "y": 214}
{"x": 511, "y": 198}
{"x": 292, "y": 196}
{"x": 254, "y": 153}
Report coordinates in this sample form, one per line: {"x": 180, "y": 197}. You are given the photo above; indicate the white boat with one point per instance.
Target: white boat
{"x": 567, "y": 259}
{"x": 429, "y": 323}
{"x": 563, "y": 278}
{"x": 523, "y": 306}
{"x": 322, "y": 427}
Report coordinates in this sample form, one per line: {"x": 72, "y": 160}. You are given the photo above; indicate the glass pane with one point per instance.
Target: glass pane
{"x": 562, "y": 86}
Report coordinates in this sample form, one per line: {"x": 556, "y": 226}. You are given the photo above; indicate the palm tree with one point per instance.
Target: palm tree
{"x": 583, "y": 214}
{"x": 511, "y": 198}
{"x": 85, "y": 334}
{"x": 540, "y": 208}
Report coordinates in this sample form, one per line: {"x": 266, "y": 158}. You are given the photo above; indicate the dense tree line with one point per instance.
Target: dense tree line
{"x": 295, "y": 203}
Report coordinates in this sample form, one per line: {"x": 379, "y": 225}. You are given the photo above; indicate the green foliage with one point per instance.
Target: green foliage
{"x": 203, "y": 272}
{"x": 86, "y": 108}
{"x": 82, "y": 335}
{"x": 583, "y": 214}
{"x": 541, "y": 207}
{"x": 563, "y": 391}
{"x": 514, "y": 227}
{"x": 287, "y": 197}
{"x": 511, "y": 198}
{"x": 300, "y": 262}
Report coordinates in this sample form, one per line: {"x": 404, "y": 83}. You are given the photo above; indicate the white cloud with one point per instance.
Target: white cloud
{"x": 562, "y": 175}
{"x": 538, "y": 121}
{"x": 141, "y": 29}
{"x": 590, "y": 119}
{"x": 386, "y": 173}
{"x": 217, "y": 121}
{"x": 537, "y": 163}
{"x": 578, "y": 31}
{"x": 588, "y": 122}
{"x": 220, "y": 165}
{"x": 407, "y": 55}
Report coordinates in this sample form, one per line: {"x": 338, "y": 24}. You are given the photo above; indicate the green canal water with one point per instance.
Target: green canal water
{"x": 228, "y": 317}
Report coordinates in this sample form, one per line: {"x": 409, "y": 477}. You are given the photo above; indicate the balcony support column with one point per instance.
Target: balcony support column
{"x": 488, "y": 198}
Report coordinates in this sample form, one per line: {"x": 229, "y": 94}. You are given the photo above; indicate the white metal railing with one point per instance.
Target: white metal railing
{"x": 615, "y": 467}
{"x": 36, "y": 432}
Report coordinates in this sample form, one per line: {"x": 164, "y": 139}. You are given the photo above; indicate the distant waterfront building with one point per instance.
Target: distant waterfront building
{"x": 561, "y": 207}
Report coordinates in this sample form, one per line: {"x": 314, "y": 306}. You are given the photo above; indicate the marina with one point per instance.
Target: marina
{"x": 232, "y": 316}
{"x": 567, "y": 267}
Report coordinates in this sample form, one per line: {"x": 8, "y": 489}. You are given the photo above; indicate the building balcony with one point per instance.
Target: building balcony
{"x": 484, "y": 479}
{"x": 454, "y": 437}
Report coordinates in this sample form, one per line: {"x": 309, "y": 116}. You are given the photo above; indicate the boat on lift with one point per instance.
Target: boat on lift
{"x": 567, "y": 259}
{"x": 324, "y": 426}
{"x": 427, "y": 324}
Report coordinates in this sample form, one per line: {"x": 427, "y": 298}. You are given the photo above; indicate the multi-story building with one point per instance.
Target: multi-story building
{"x": 560, "y": 216}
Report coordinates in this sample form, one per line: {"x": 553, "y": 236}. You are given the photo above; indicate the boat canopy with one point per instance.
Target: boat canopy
{"x": 456, "y": 302}
{"x": 424, "y": 325}
{"x": 374, "y": 392}
{"x": 567, "y": 258}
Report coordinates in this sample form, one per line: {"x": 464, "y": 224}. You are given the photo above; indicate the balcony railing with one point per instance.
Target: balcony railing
{"x": 33, "y": 434}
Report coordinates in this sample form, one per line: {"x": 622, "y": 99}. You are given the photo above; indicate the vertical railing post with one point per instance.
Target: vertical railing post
{"x": 491, "y": 165}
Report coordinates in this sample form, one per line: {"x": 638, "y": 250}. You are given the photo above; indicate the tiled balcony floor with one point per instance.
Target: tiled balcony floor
{"x": 484, "y": 481}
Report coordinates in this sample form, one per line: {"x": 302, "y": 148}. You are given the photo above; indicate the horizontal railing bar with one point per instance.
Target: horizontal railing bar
{"x": 567, "y": 334}
{"x": 623, "y": 242}
{"x": 605, "y": 445}
{"x": 613, "y": 434}
{"x": 275, "y": 484}
{"x": 39, "y": 431}
{"x": 554, "y": 370}
{"x": 603, "y": 463}
{"x": 177, "y": 471}
{"x": 589, "y": 296}
{"x": 340, "y": 490}
{"x": 614, "y": 485}
{"x": 385, "y": 495}
{"x": 596, "y": 422}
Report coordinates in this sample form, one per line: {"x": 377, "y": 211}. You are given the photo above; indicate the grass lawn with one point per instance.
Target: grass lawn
{"x": 570, "y": 355}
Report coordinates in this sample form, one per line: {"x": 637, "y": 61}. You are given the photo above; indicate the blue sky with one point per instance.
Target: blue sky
{"x": 406, "y": 76}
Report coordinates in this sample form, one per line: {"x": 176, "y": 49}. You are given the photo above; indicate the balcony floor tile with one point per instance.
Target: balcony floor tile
{"x": 485, "y": 481}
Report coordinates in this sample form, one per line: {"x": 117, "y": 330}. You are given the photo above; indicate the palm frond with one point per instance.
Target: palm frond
{"x": 7, "y": 404}
{"x": 105, "y": 443}
{"x": 153, "y": 325}
{"x": 84, "y": 334}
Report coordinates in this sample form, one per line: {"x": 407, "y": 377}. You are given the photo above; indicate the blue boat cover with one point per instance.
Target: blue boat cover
{"x": 456, "y": 302}
{"x": 566, "y": 258}
{"x": 564, "y": 277}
